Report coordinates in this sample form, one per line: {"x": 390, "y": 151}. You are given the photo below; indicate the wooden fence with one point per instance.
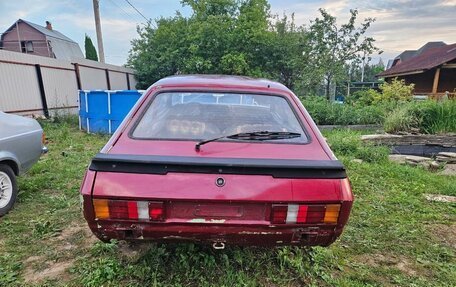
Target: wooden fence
{"x": 40, "y": 85}
{"x": 439, "y": 96}
{"x": 446, "y": 95}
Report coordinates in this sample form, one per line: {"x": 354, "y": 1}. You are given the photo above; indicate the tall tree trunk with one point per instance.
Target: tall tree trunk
{"x": 327, "y": 87}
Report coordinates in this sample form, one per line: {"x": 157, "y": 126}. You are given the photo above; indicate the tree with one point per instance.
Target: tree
{"x": 329, "y": 48}
{"x": 90, "y": 51}
{"x": 220, "y": 37}
{"x": 286, "y": 61}
{"x": 241, "y": 37}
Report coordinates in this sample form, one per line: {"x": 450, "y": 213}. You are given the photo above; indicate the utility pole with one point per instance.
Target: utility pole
{"x": 96, "y": 11}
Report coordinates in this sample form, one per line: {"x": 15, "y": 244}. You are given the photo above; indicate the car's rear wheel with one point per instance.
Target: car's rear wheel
{"x": 8, "y": 189}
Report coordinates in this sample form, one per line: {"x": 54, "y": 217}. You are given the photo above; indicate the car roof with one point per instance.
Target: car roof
{"x": 220, "y": 81}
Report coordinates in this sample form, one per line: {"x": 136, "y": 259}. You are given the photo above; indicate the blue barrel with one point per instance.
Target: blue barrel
{"x": 103, "y": 111}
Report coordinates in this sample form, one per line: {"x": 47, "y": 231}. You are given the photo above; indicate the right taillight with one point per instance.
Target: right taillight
{"x": 129, "y": 209}
{"x": 304, "y": 213}
{"x": 331, "y": 213}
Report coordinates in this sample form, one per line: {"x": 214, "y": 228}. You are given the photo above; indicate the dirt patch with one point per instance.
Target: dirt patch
{"x": 66, "y": 240}
{"x": 33, "y": 259}
{"x": 64, "y": 248}
{"x": 133, "y": 251}
{"x": 69, "y": 232}
{"x": 406, "y": 267}
{"x": 444, "y": 233}
{"x": 55, "y": 270}
{"x": 399, "y": 262}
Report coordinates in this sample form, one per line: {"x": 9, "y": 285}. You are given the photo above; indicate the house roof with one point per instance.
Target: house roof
{"x": 50, "y": 33}
{"x": 62, "y": 47}
{"x": 407, "y": 54}
{"x": 430, "y": 45}
{"x": 426, "y": 60}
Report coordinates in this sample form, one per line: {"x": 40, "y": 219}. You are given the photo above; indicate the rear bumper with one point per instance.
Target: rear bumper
{"x": 232, "y": 235}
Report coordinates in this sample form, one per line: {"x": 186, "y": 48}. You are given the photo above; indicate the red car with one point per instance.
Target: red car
{"x": 220, "y": 160}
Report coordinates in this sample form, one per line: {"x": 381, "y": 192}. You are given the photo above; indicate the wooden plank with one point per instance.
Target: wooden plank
{"x": 436, "y": 81}
{"x": 351, "y": 127}
{"x": 397, "y": 140}
{"x": 402, "y": 74}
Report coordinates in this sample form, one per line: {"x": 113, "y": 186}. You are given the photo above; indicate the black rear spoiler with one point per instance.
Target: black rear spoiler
{"x": 278, "y": 168}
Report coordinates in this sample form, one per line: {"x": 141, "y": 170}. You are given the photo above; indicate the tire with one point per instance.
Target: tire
{"x": 8, "y": 189}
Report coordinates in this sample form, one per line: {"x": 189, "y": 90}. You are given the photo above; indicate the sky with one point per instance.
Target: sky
{"x": 400, "y": 24}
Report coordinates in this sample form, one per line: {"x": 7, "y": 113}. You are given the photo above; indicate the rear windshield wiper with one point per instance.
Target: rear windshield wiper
{"x": 256, "y": 136}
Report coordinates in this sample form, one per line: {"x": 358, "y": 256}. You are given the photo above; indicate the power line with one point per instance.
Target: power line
{"x": 139, "y": 12}
{"x": 127, "y": 12}
{"x": 121, "y": 8}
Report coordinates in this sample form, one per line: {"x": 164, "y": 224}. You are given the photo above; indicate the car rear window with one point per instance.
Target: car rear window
{"x": 202, "y": 116}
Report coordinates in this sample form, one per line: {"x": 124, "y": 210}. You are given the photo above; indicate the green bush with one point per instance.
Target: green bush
{"x": 428, "y": 117}
{"x": 324, "y": 112}
{"x": 363, "y": 97}
{"x": 394, "y": 92}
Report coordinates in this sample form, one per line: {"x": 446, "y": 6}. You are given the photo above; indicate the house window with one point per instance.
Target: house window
{"x": 27, "y": 46}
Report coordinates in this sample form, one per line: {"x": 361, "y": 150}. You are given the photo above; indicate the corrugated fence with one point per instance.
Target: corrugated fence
{"x": 39, "y": 85}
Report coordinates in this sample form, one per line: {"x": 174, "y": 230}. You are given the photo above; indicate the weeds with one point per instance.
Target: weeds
{"x": 429, "y": 117}
{"x": 324, "y": 112}
{"x": 348, "y": 143}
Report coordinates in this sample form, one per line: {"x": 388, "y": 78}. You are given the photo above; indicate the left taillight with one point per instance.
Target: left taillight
{"x": 303, "y": 214}
{"x": 129, "y": 210}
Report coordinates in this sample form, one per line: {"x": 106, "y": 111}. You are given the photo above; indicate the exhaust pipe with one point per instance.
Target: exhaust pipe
{"x": 218, "y": 245}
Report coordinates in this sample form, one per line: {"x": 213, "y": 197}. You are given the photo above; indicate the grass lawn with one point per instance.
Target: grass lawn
{"x": 395, "y": 237}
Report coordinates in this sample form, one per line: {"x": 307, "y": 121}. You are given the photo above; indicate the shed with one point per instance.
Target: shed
{"x": 433, "y": 70}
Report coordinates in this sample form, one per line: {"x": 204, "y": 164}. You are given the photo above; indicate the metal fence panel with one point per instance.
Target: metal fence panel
{"x": 118, "y": 80}
{"x": 20, "y": 82}
{"x": 19, "y": 89}
{"x": 60, "y": 87}
{"x": 93, "y": 79}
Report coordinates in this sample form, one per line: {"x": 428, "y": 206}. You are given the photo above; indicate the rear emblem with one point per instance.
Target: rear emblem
{"x": 220, "y": 182}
